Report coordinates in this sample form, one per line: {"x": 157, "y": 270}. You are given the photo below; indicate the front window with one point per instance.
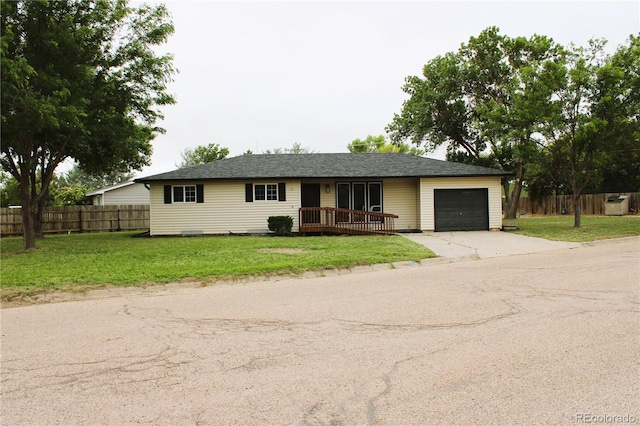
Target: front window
{"x": 266, "y": 192}
{"x": 184, "y": 194}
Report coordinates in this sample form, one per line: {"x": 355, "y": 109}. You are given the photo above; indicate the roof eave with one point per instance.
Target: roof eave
{"x": 209, "y": 179}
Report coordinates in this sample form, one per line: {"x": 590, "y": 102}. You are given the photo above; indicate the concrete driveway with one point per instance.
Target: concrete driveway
{"x": 484, "y": 244}
{"x": 545, "y": 338}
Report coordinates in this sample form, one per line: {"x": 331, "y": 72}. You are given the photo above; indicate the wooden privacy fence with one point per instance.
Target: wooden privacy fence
{"x": 563, "y": 204}
{"x": 62, "y": 220}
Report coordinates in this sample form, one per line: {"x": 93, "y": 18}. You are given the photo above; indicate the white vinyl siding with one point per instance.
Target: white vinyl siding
{"x": 428, "y": 185}
{"x": 400, "y": 197}
{"x": 131, "y": 194}
{"x": 328, "y": 199}
{"x": 224, "y": 210}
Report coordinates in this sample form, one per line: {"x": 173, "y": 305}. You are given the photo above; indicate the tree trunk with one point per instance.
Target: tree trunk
{"x": 507, "y": 195}
{"x": 512, "y": 206}
{"x": 577, "y": 206}
{"x": 37, "y": 218}
{"x": 28, "y": 213}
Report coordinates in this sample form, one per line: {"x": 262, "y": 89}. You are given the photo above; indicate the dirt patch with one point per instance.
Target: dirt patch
{"x": 283, "y": 250}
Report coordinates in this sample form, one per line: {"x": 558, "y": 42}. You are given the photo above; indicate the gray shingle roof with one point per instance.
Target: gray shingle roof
{"x": 336, "y": 166}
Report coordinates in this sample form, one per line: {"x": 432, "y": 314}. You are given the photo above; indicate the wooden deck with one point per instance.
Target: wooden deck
{"x": 331, "y": 220}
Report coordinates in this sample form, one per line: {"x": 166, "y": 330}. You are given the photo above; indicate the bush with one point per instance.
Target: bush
{"x": 281, "y": 225}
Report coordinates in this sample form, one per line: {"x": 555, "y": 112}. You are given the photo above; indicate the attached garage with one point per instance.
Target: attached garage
{"x": 461, "y": 209}
{"x": 461, "y": 203}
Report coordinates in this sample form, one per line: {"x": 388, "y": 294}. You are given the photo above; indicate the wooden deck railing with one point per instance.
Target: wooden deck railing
{"x": 345, "y": 221}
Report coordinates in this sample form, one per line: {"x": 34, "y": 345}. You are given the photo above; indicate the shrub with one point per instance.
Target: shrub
{"x": 281, "y": 225}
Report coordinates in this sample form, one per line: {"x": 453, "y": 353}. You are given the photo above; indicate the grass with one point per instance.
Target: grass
{"x": 82, "y": 261}
{"x": 560, "y": 228}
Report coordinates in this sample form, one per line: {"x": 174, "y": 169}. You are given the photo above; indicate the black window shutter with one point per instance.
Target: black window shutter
{"x": 282, "y": 192}
{"x": 167, "y": 194}
{"x": 248, "y": 192}
{"x": 200, "y": 193}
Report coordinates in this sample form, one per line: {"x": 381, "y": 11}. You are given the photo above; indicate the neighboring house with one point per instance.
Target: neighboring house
{"x": 237, "y": 195}
{"x": 122, "y": 194}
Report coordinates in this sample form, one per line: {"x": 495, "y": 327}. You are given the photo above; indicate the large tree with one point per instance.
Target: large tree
{"x": 202, "y": 154}
{"x": 599, "y": 119}
{"x": 487, "y": 103}
{"x": 619, "y": 105}
{"x": 81, "y": 79}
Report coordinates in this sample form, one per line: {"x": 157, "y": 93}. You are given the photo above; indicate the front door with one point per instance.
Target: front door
{"x": 374, "y": 199}
{"x": 359, "y": 200}
{"x": 311, "y": 198}
{"x": 374, "y": 202}
{"x": 343, "y": 200}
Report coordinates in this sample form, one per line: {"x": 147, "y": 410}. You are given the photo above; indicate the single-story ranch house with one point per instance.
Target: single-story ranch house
{"x": 346, "y": 193}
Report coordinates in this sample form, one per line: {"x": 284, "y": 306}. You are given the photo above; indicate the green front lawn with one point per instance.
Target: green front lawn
{"x": 82, "y": 261}
{"x": 67, "y": 262}
{"x": 560, "y": 228}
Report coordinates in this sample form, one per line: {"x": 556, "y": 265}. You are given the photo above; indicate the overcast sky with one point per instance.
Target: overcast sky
{"x": 258, "y": 75}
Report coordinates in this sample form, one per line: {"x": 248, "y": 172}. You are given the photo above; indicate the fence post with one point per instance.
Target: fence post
{"x": 80, "y": 218}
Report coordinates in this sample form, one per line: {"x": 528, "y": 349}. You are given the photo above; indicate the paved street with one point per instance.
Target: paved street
{"x": 551, "y": 337}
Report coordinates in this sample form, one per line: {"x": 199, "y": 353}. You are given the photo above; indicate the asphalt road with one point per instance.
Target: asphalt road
{"x": 546, "y": 338}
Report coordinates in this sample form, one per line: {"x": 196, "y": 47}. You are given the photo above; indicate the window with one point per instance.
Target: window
{"x": 190, "y": 194}
{"x": 184, "y": 194}
{"x": 265, "y": 192}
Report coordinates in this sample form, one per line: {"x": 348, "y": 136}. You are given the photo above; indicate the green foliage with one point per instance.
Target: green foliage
{"x": 559, "y": 119}
{"x": 9, "y": 192}
{"x": 80, "y": 80}
{"x": 77, "y": 261}
{"x": 72, "y": 195}
{"x": 202, "y": 155}
{"x": 369, "y": 144}
{"x": 67, "y": 189}
{"x": 596, "y": 133}
{"x": 77, "y": 176}
{"x": 380, "y": 144}
{"x": 618, "y": 105}
{"x": 494, "y": 94}
{"x": 280, "y": 225}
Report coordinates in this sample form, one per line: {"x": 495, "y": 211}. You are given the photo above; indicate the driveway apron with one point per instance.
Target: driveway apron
{"x": 484, "y": 244}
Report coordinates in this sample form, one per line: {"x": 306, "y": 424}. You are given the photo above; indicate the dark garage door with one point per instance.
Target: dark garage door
{"x": 461, "y": 209}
